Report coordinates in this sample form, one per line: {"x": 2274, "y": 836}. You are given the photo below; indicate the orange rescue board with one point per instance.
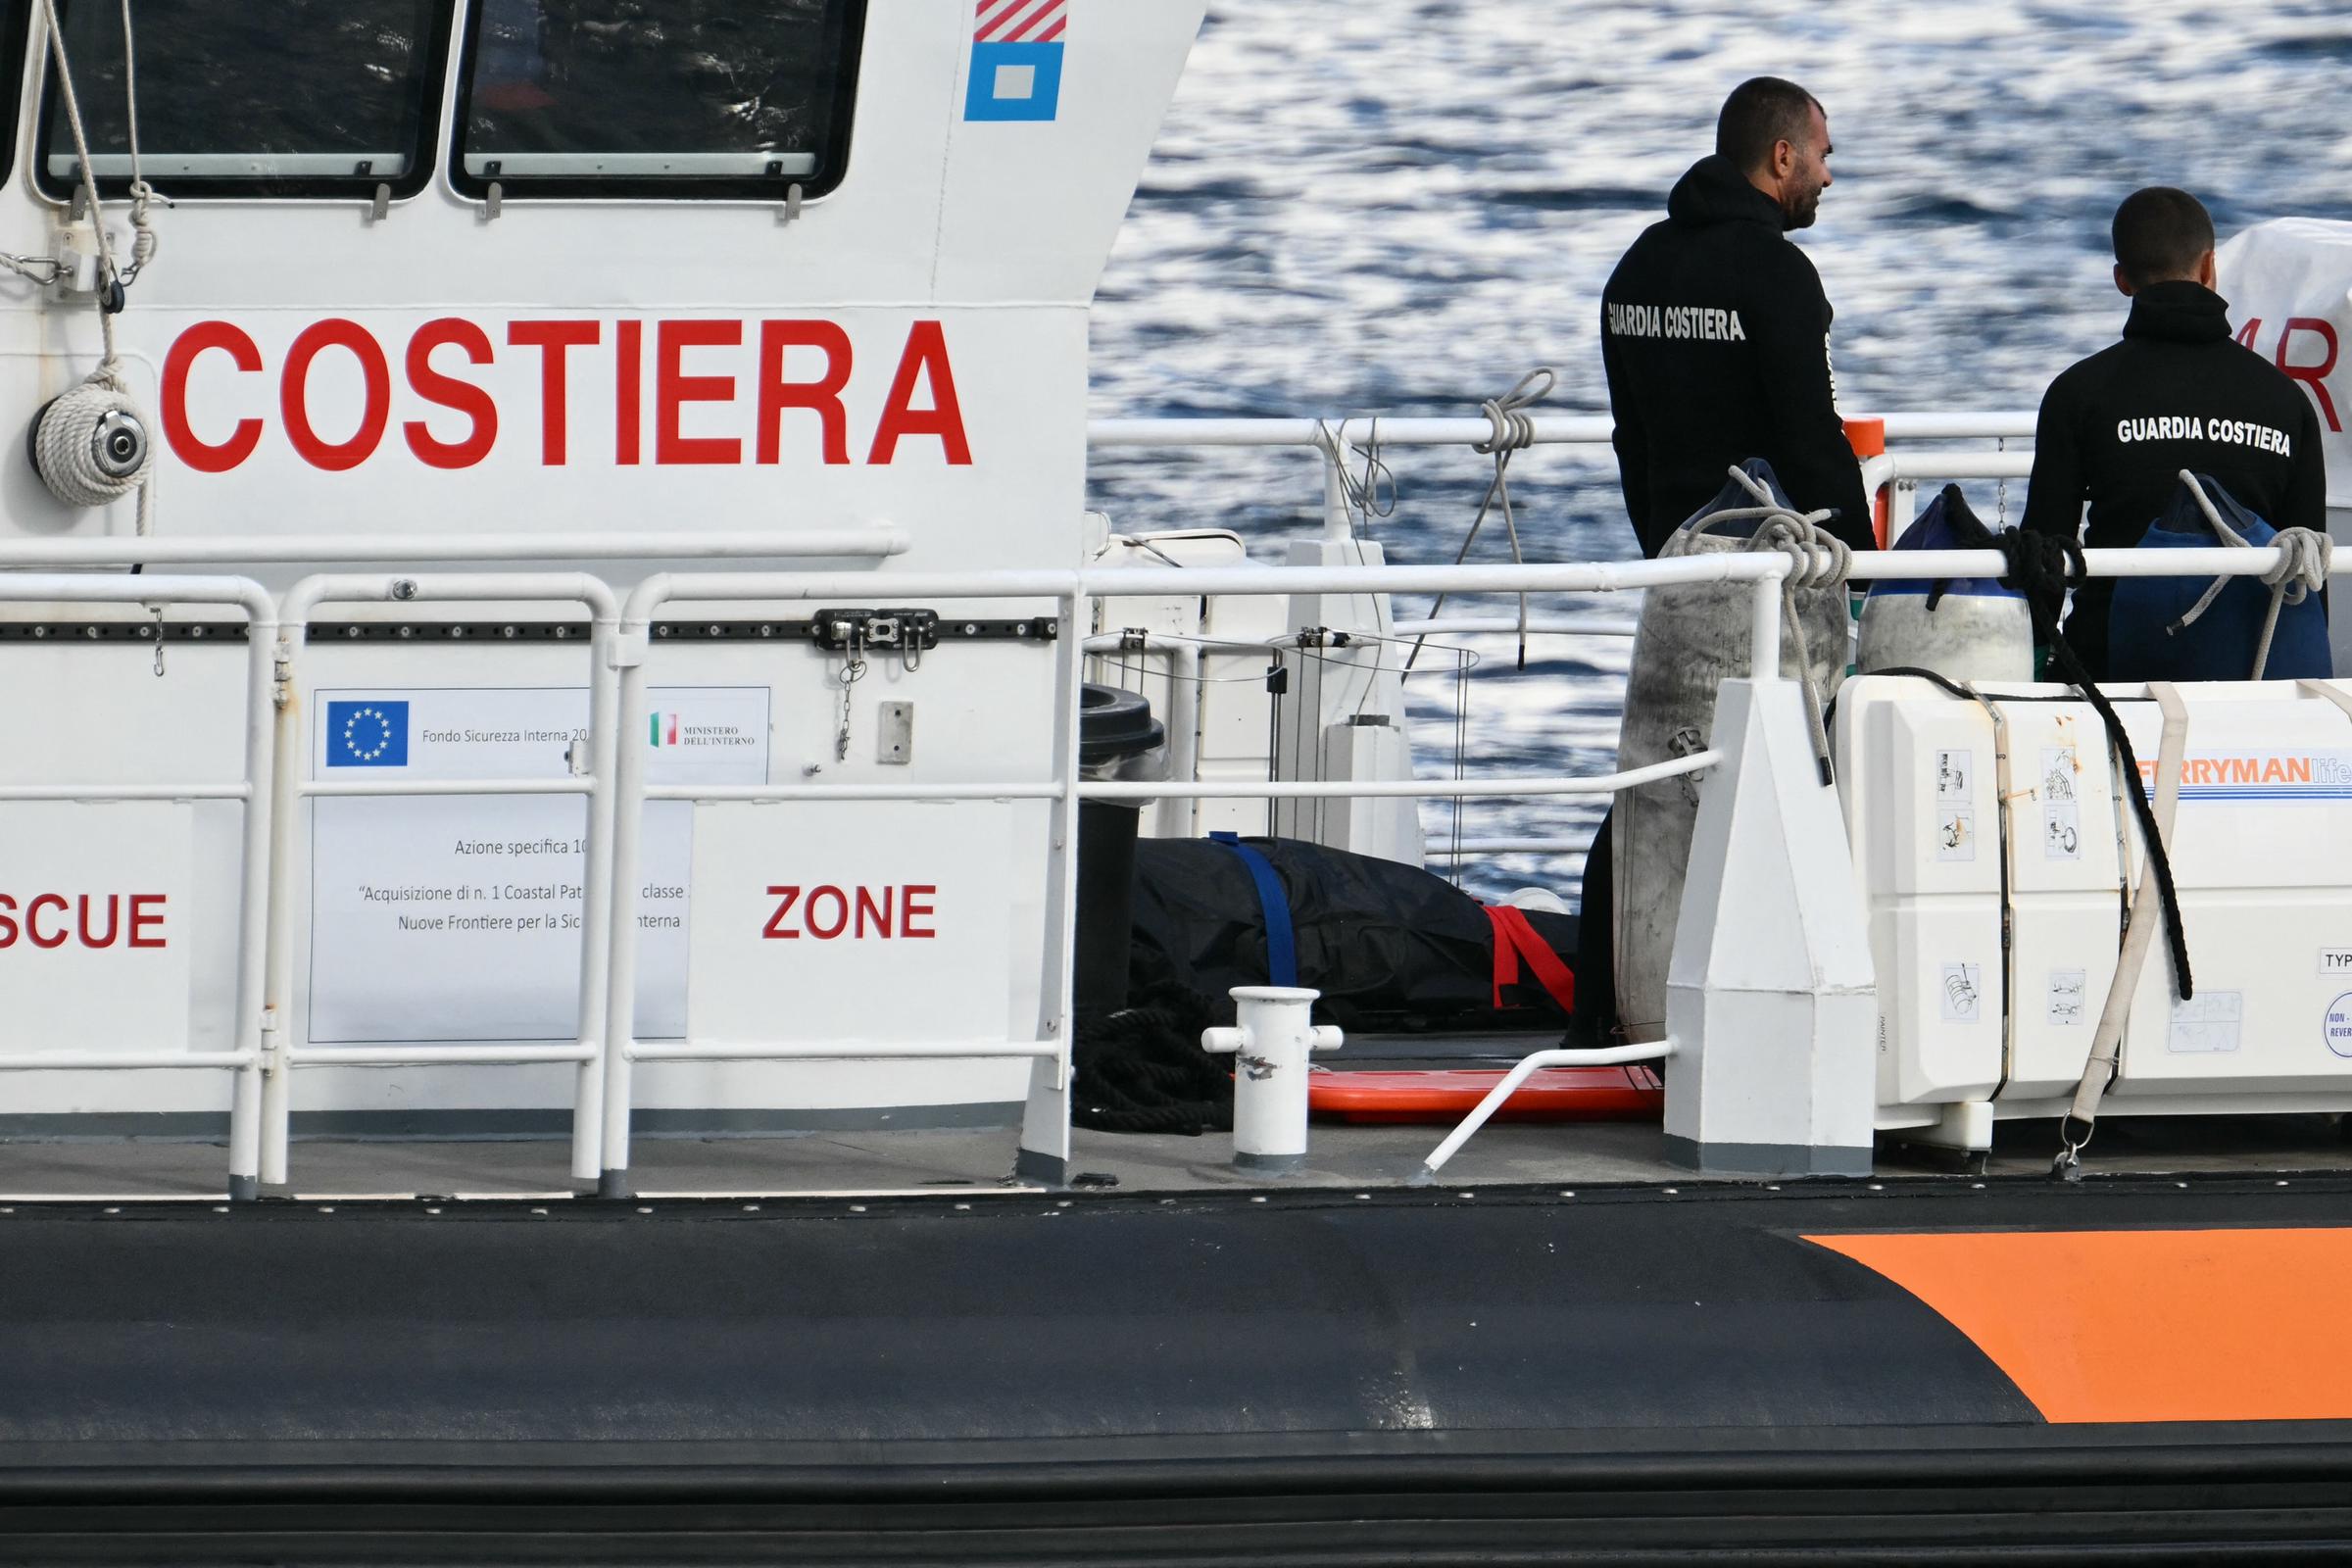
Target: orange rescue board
{"x": 1556, "y": 1094}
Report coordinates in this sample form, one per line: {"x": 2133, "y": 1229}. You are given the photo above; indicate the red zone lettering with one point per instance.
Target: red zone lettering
{"x": 802, "y": 367}
{"x": 829, "y": 914}
{"x": 49, "y": 921}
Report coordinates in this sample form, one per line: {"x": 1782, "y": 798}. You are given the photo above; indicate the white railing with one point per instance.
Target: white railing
{"x": 613, "y": 779}
{"x": 1045, "y": 1137}
{"x": 1338, "y": 441}
{"x": 592, "y": 777}
{"x": 255, "y": 902}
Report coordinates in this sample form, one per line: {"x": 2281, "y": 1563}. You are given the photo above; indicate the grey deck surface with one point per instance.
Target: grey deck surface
{"x": 978, "y": 1161}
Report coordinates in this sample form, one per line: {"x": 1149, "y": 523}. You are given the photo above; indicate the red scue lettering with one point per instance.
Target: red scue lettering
{"x": 95, "y": 921}
{"x": 828, "y": 914}
{"x": 784, "y": 374}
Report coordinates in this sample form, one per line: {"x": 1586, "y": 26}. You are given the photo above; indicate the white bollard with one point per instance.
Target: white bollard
{"x": 1270, "y": 1046}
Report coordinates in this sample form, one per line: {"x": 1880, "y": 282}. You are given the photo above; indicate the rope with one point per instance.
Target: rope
{"x": 1362, "y": 497}
{"x": 109, "y": 280}
{"x": 2043, "y": 566}
{"x": 1141, "y": 1069}
{"x": 2305, "y": 556}
{"x": 1818, "y": 559}
{"x": 142, "y": 231}
{"x": 1511, "y": 431}
{"x": 90, "y": 446}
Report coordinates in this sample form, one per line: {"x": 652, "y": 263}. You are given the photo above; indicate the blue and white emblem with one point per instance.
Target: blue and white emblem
{"x": 367, "y": 734}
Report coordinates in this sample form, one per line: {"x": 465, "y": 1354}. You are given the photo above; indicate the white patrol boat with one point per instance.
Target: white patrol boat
{"x": 552, "y": 625}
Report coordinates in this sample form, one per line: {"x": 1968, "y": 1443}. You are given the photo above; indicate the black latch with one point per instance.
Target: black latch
{"x": 908, "y": 631}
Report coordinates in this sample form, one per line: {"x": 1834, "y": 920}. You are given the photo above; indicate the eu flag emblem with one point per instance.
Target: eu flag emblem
{"x": 368, "y": 734}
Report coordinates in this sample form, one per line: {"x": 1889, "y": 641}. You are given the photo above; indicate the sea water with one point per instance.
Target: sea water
{"x": 1403, "y": 205}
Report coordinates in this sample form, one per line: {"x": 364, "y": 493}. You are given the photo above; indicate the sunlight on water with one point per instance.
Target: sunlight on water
{"x": 1401, "y": 205}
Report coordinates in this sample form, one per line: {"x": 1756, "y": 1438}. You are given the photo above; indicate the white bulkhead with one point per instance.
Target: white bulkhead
{"x": 861, "y": 304}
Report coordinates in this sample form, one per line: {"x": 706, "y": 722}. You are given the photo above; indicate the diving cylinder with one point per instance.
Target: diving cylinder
{"x": 1965, "y": 629}
{"x": 1692, "y": 638}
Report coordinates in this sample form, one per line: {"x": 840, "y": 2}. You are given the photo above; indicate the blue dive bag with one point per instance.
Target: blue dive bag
{"x": 2220, "y": 644}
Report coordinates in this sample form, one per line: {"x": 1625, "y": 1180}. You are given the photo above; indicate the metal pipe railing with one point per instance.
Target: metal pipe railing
{"x": 616, "y": 788}
{"x": 1550, "y": 430}
{"x": 384, "y": 549}
{"x": 290, "y": 787}
{"x": 253, "y": 883}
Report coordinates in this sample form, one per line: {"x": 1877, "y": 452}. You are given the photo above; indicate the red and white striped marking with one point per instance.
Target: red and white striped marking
{"x": 1019, "y": 21}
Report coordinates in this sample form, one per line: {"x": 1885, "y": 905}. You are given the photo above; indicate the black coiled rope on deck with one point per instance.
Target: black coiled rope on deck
{"x": 1140, "y": 1068}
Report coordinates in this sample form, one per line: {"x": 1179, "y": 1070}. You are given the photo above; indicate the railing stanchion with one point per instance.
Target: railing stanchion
{"x": 596, "y": 891}
{"x": 1764, "y": 605}
{"x": 1045, "y": 1149}
{"x": 285, "y": 817}
{"x": 628, "y": 652}
{"x": 254, "y": 901}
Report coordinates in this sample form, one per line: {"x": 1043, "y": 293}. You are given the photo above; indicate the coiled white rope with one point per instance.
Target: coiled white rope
{"x": 2305, "y": 557}
{"x": 1818, "y": 559}
{"x": 90, "y": 446}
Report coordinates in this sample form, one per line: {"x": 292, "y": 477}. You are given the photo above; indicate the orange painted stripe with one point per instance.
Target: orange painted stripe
{"x": 2221, "y": 1325}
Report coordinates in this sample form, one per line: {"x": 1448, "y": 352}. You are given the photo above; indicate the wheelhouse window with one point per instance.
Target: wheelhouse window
{"x": 253, "y": 97}
{"x": 665, "y": 98}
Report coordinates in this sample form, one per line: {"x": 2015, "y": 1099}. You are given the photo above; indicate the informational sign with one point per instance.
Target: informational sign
{"x": 456, "y": 918}
{"x": 840, "y": 921}
{"x": 2207, "y": 1022}
{"x": 95, "y": 909}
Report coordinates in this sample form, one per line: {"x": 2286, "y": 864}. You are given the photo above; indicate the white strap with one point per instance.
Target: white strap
{"x": 2147, "y": 913}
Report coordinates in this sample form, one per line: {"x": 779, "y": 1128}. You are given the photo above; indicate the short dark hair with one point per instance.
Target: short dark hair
{"x": 2160, "y": 234}
{"x": 1762, "y": 111}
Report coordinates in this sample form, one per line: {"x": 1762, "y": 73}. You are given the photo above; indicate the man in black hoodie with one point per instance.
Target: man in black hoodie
{"x": 2175, "y": 393}
{"x": 1715, "y": 333}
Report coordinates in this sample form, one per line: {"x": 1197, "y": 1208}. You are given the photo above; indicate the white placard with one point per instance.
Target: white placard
{"x": 1963, "y": 993}
{"x": 1955, "y": 776}
{"x": 2068, "y": 1002}
{"x": 95, "y": 912}
{"x": 868, "y": 920}
{"x": 458, "y": 918}
{"x": 2209, "y": 1021}
{"x": 1955, "y": 833}
{"x": 2061, "y": 771}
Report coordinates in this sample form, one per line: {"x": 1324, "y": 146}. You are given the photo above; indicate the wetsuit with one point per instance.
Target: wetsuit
{"x": 2175, "y": 393}
{"x": 1714, "y": 332}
